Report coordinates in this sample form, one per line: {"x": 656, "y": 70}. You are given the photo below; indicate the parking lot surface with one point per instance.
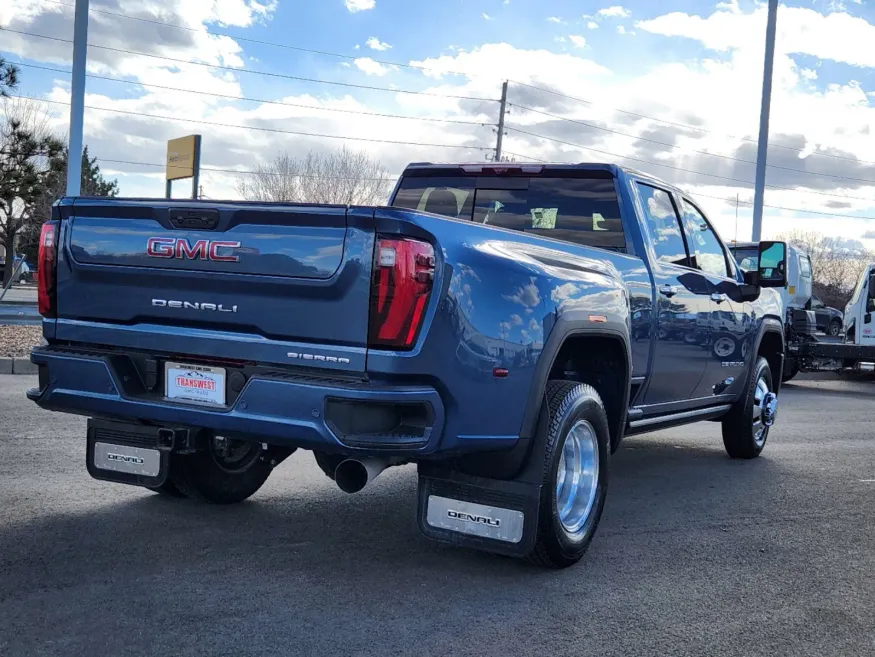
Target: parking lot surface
{"x": 696, "y": 554}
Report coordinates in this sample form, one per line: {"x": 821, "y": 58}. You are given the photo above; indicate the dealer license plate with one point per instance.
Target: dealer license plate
{"x": 195, "y": 383}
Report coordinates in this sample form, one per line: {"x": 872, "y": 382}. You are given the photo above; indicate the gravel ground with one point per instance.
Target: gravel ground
{"x": 696, "y": 555}
{"x": 17, "y": 341}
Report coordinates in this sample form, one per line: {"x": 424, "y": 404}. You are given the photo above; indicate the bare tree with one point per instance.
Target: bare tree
{"x": 344, "y": 177}
{"x": 836, "y": 263}
{"x": 28, "y": 159}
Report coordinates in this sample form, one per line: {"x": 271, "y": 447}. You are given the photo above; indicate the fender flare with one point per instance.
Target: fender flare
{"x": 567, "y": 326}
{"x": 772, "y": 324}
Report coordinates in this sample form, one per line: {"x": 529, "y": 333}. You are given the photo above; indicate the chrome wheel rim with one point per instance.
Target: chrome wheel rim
{"x": 577, "y": 477}
{"x": 764, "y": 410}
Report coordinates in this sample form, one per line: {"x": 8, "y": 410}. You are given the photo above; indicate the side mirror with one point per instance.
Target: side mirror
{"x": 772, "y": 267}
{"x": 872, "y": 286}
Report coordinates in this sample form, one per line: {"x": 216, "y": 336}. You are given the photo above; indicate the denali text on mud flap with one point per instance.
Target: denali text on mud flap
{"x": 468, "y": 517}
{"x": 178, "y": 247}
{"x": 125, "y": 459}
{"x": 194, "y": 305}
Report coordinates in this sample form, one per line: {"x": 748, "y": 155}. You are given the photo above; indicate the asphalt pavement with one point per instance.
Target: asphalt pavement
{"x": 696, "y": 555}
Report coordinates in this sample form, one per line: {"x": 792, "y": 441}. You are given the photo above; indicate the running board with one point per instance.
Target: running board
{"x": 661, "y": 421}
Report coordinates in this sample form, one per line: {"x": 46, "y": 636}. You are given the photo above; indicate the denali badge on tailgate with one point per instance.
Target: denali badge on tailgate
{"x": 194, "y": 305}
{"x": 178, "y": 247}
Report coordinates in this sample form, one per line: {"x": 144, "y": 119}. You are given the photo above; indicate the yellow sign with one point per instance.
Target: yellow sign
{"x": 181, "y": 157}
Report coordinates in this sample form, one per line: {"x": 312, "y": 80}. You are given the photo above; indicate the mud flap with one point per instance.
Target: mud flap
{"x": 492, "y": 515}
{"x": 132, "y": 454}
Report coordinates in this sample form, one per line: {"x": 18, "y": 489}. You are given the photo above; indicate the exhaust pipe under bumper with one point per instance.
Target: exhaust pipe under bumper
{"x": 352, "y": 475}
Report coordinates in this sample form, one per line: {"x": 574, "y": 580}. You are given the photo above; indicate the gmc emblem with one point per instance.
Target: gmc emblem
{"x": 178, "y": 247}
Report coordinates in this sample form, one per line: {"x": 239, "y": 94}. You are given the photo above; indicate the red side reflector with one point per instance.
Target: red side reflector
{"x": 500, "y": 372}
{"x": 48, "y": 249}
{"x": 402, "y": 282}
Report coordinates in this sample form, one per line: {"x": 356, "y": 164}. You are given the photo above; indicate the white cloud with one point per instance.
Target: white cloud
{"x": 621, "y": 29}
{"x": 577, "y": 40}
{"x": 616, "y": 11}
{"x": 555, "y": 19}
{"x": 808, "y": 73}
{"x": 837, "y": 36}
{"x": 356, "y": 47}
{"x": 486, "y": 16}
{"x": 370, "y": 67}
{"x": 375, "y": 44}
{"x": 559, "y": 39}
{"x": 592, "y": 25}
{"x": 355, "y": 6}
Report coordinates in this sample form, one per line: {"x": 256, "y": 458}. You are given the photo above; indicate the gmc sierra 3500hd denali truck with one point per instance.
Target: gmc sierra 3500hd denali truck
{"x": 501, "y": 326}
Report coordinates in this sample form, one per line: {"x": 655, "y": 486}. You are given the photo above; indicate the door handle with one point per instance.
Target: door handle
{"x": 668, "y": 290}
{"x": 719, "y": 298}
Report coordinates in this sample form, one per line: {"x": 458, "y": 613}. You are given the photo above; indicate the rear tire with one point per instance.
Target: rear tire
{"x": 746, "y": 426}
{"x": 222, "y": 475}
{"x": 834, "y": 329}
{"x": 575, "y": 479}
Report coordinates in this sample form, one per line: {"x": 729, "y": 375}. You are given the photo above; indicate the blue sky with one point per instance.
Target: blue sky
{"x": 673, "y": 64}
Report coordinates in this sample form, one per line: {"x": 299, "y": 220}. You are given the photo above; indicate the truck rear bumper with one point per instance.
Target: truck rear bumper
{"x": 310, "y": 413}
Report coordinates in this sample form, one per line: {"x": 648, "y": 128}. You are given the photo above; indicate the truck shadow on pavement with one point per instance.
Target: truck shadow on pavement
{"x": 304, "y": 565}
{"x": 656, "y": 486}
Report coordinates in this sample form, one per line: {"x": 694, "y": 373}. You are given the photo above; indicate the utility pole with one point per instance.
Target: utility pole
{"x": 77, "y": 98}
{"x": 763, "y": 143}
{"x": 501, "y": 113}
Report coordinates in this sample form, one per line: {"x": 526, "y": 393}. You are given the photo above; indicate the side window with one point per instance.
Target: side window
{"x": 705, "y": 246}
{"x": 664, "y": 226}
{"x": 805, "y": 266}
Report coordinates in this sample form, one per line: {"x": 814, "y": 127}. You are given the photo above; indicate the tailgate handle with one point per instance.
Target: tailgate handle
{"x": 184, "y": 218}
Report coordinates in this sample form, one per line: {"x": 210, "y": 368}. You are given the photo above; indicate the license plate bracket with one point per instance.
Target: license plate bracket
{"x": 194, "y": 383}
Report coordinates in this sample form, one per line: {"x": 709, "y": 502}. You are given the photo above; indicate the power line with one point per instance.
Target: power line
{"x": 668, "y": 166}
{"x": 700, "y": 152}
{"x": 781, "y": 207}
{"x": 262, "y": 129}
{"x": 687, "y": 126}
{"x": 260, "y": 100}
{"x": 254, "y": 72}
{"x": 261, "y": 42}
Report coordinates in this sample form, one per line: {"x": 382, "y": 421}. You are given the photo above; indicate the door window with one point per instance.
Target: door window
{"x": 663, "y": 225}
{"x": 705, "y": 247}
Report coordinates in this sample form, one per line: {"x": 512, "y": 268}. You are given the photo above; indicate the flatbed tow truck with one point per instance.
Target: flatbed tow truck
{"x": 805, "y": 351}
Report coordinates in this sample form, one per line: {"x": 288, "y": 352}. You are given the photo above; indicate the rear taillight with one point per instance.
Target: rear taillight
{"x": 402, "y": 282}
{"x": 48, "y": 249}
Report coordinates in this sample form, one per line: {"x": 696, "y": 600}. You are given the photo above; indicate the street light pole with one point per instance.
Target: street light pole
{"x": 763, "y": 143}
{"x": 77, "y": 98}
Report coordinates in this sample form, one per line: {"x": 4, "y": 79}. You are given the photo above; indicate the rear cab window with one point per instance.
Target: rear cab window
{"x": 581, "y": 209}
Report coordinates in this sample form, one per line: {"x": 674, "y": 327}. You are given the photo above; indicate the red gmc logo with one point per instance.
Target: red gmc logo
{"x": 179, "y": 247}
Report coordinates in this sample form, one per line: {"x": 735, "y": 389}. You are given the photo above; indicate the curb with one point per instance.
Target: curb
{"x": 17, "y": 366}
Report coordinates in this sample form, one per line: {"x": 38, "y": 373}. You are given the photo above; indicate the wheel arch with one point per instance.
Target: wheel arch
{"x": 567, "y": 341}
{"x": 770, "y": 344}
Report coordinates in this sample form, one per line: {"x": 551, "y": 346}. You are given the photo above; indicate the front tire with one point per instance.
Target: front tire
{"x": 746, "y": 426}
{"x": 575, "y": 479}
{"x": 222, "y": 471}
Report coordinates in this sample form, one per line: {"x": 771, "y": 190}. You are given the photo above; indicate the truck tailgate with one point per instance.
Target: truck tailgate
{"x": 281, "y": 276}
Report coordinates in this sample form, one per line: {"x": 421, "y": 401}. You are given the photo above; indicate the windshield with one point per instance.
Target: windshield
{"x": 746, "y": 258}
{"x": 580, "y": 210}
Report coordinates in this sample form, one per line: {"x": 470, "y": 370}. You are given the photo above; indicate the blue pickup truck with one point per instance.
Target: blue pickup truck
{"x": 501, "y": 326}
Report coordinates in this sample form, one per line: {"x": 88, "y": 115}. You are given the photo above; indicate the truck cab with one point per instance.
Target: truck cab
{"x": 859, "y": 324}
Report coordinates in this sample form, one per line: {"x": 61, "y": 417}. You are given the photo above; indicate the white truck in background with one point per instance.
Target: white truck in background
{"x": 804, "y": 315}
{"x": 860, "y": 312}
